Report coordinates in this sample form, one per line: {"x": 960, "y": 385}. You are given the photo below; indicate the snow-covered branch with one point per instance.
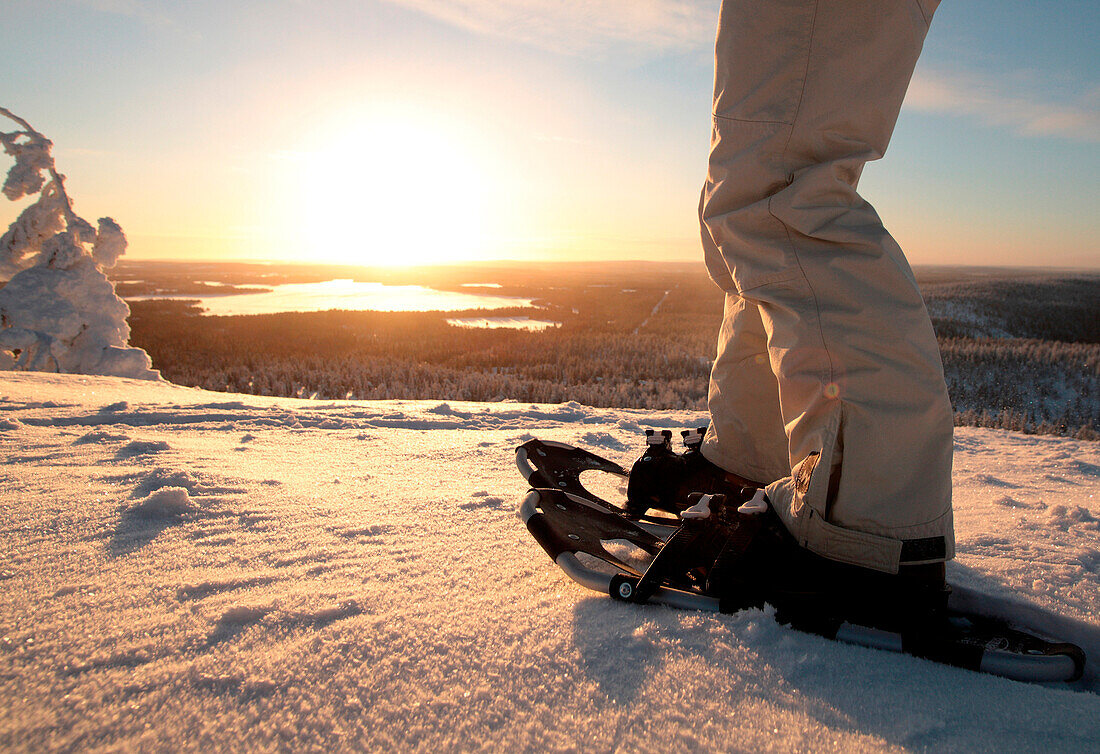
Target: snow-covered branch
{"x": 58, "y": 310}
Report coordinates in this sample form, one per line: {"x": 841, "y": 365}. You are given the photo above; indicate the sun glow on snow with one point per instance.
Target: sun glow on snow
{"x": 395, "y": 191}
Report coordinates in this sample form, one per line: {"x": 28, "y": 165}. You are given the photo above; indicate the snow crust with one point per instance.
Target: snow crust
{"x": 189, "y": 570}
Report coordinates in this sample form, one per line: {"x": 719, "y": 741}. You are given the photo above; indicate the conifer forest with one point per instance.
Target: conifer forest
{"x": 1021, "y": 348}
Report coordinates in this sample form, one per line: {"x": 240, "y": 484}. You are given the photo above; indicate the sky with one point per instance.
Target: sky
{"x": 424, "y": 131}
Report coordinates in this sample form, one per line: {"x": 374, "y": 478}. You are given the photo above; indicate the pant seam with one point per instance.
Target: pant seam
{"x": 782, "y": 276}
{"x": 805, "y": 76}
{"x": 786, "y": 229}
{"x": 831, "y": 375}
{"x": 716, "y": 116}
{"x": 920, "y": 7}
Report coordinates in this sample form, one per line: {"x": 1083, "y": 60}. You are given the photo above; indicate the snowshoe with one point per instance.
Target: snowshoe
{"x": 725, "y": 553}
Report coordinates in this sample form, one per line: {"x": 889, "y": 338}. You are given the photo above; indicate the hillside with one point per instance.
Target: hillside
{"x": 185, "y": 569}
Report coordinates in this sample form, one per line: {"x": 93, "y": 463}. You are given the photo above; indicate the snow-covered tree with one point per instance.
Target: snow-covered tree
{"x": 58, "y": 310}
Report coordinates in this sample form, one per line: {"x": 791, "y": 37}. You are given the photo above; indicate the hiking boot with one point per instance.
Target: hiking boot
{"x": 814, "y": 593}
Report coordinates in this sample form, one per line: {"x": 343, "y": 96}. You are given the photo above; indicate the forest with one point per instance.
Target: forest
{"x": 1021, "y": 349}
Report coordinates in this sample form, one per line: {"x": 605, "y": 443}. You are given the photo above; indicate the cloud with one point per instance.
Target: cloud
{"x": 987, "y": 101}
{"x": 583, "y": 26}
{"x": 143, "y": 10}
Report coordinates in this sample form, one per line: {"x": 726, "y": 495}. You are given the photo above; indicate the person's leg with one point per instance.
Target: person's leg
{"x": 746, "y": 434}
{"x": 806, "y": 93}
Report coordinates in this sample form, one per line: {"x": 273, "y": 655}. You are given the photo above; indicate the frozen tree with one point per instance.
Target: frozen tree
{"x": 58, "y": 310}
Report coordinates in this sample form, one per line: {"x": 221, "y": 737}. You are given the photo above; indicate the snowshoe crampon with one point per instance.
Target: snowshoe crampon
{"x": 603, "y": 548}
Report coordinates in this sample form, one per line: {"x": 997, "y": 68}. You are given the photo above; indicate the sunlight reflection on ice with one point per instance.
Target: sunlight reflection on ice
{"x": 517, "y": 323}
{"x": 349, "y": 295}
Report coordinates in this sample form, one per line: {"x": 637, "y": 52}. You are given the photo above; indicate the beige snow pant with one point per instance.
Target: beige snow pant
{"x": 828, "y": 382}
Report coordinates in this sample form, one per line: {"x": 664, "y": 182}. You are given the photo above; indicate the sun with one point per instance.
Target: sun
{"x": 394, "y": 191}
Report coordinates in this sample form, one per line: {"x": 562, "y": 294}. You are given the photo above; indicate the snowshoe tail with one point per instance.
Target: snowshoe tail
{"x": 984, "y": 645}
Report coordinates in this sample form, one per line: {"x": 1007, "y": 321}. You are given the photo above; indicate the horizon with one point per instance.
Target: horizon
{"x": 367, "y": 132}
{"x": 574, "y": 262}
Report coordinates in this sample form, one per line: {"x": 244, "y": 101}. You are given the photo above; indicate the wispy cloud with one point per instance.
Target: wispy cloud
{"x": 143, "y": 10}
{"x": 583, "y": 26}
{"x": 989, "y": 101}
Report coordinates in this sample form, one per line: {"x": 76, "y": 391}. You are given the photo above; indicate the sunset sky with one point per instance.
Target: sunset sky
{"x": 415, "y": 131}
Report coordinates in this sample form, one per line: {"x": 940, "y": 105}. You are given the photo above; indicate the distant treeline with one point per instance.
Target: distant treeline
{"x": 1065, "y": 309}
{"x": 379, "y": 355}
{"x": 1018, "y": 354}
{"x": 1035, "y": 386}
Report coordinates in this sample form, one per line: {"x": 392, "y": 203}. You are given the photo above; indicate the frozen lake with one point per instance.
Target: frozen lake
{"x": 513, "y": 323}
{"x": 349, "y": 295}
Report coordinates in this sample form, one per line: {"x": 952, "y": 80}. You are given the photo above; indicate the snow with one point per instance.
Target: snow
{"x": 190, "y": 570}
{"x": 32, "y": 157}
{"x": 166, "y": 502}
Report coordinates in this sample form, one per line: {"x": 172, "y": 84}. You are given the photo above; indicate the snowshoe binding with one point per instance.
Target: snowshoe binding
{"x": 663, "y": 479}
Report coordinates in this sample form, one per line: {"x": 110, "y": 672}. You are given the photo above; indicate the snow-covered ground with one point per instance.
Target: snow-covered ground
{"x": 184, "y": 569}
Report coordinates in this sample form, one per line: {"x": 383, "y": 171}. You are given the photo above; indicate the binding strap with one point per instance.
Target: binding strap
{"x": 869, "y": 550}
